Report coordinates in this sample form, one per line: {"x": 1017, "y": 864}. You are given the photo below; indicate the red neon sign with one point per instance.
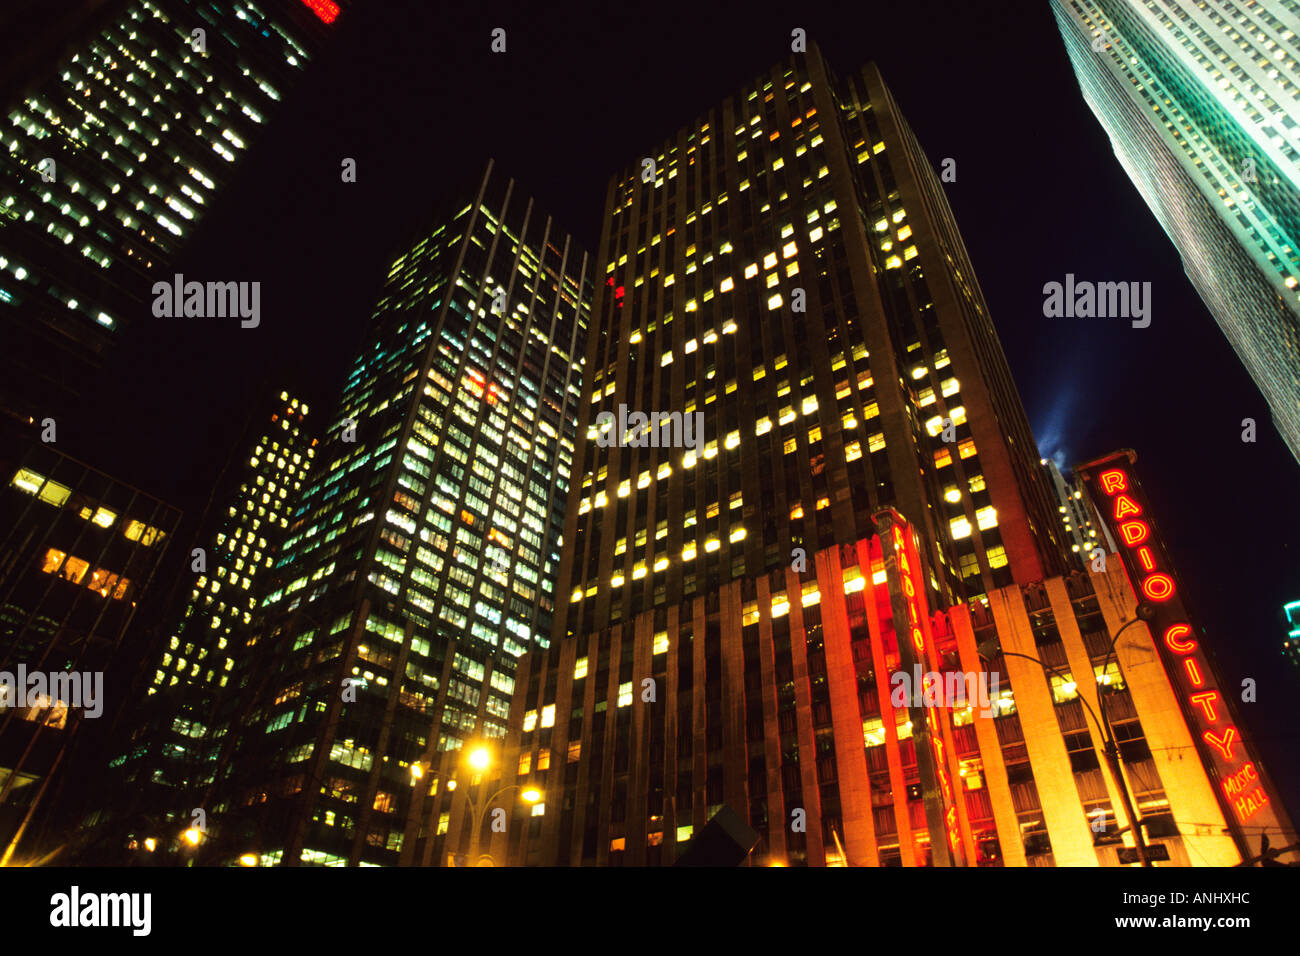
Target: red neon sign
{"x": 1240, "y": 782}
{"x": 327, "y": 11}
{"x": 916, "y": 624}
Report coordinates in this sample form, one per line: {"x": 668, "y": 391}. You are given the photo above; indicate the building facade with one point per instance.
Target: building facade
{"x": 166, "y": 757}
{"x": 815, "y": 614}
{"x": 1082, "y": 533}
{"x": 422, "y": 556}
{"x": 115, "y": 149}
{"x": 1201, "y": 102}
{"x": 80, "y": 551}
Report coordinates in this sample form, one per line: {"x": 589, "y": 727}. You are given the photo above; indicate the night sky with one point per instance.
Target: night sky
{"x": 412, "y": 92}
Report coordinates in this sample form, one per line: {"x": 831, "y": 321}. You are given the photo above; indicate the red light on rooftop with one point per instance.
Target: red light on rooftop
{"x": 327, "y": 11}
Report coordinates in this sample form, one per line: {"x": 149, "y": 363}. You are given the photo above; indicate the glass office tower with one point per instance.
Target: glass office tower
{"x": 422, "y": 556}
{"x": 113, "y": 152}
{"x": 1201, "y": 102}
{"x": 165, "y": 755}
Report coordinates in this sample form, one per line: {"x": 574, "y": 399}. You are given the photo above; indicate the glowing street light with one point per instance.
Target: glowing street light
{"x": 480, "y": 758}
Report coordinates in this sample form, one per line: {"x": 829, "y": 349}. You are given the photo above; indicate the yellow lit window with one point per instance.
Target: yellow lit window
{"x": 853, "y": 452}
{"x": 580, "y": 668}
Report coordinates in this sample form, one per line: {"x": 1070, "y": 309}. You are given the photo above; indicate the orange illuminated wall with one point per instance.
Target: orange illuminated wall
{"x": 1246, "y": 797}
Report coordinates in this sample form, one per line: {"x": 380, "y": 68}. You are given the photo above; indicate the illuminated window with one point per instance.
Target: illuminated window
{"x": 580, "y": 669}
{"x": 548, "y": 715}
{"x": 625, "y": 694}
{"x": 873, "y": 732}
{"x": 1063, "y": 688}
{"x": 50, "y": 492}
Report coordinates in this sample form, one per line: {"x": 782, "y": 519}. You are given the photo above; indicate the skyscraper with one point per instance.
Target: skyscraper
{"x": 1082, "y": 533}
{"x": 168, "y": 750}
{"x": 114, "y": 152}
{"x": 1202, "y": 105}
{"x": 818, "y": 612}
{"x": 422, "y": 555}
{"x": 79, "y": 552}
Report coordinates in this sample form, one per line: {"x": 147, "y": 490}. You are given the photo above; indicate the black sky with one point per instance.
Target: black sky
{"x": 412, "y": 92}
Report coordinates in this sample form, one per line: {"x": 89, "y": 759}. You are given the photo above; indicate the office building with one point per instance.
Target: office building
{"x": 115, "y": 149}
{"x": 168, "y": 751}
{"x": 758, "y": 618}
{"x": 79, "y": 553}
{"x": 1075, "y": 513}
{"x": 1201, "y": 103}
{"x": 422, "y": 555}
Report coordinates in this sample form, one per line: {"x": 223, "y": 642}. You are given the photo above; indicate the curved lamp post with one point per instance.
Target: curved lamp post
{"x": 1145, "y": 612}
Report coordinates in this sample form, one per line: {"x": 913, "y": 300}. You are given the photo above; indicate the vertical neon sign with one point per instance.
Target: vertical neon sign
{"x": 911, "y": 626}
{"x": 1242, "y": 791}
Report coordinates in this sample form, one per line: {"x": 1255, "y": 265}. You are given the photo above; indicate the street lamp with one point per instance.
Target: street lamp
{"x": 1145, "y": 612}
{"x": 480, "y": 759}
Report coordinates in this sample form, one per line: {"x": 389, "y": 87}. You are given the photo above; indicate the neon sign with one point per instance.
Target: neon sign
{"x": 326, "y": 10}
{"x": 1117, "y": 495}
{"x": 911, "y": 633}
